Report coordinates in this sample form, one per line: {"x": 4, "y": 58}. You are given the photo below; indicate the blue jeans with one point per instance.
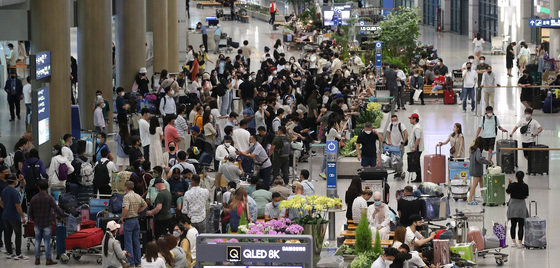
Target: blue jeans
{"x": 368, "y": 161}
{"x": 132, "y": 240}
{"x": 28, "y": 113}
{"x": 225, "y": 106}
{"x": 205, "y": 159}
{"x": 468, "y": 92}
{"x": 44, "y": 234}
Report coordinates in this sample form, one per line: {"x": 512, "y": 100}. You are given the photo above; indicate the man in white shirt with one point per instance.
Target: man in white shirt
{"x": 241, "y": 137}
{"x": 415, "y": 260}
{"x": 398, "y": 135}
{"x": 98, "y": 119}
{"x": 489, "y": 80}
{"x": 272, "y": 210}
{"x": 224, "y": 150}
{"x": 167, "y": 104}
{"x": 66, "y": 151}
{"x": 194, "y": 204}
{"x": 336, "y": 63}
{"x": 401, "y": 82}
{"x": 532, "y": 129}
{"x": 413, "y": 237}
{"x": 416, "y": 143}
{"x": 385, "y": 260}
{"x": 470, "y": 79}
{"x": 182, "y": 164}
{"x": 277, "y": 121}
{"x": 308, "y": 187}
{"x": 27, "y": 100}
{"x": 144, "y": 128}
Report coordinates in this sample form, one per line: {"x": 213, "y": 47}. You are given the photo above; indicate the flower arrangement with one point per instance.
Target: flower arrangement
{"x": 315, "y": 205}
{"x": 373, "y": 106}
{"x": 272, "y": 227}
{"x": 221, "y": 240}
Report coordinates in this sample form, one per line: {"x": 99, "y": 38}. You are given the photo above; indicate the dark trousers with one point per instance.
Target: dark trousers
{"x": 247, "y": 164}
{"x": 399, "y": 98}
{"x": 265, "y": 173}
{"x": 514, "y": 223}
{"x": 162, "y": 227}
{"x": 527, "y": 145}
{"x": 412, "y": 96}
{"x": 248, "y": 67}
{"x": 284, "y": 165}
{"x": 200, "y": 226}
{"x": 14, "y": 102}
{"x": 205, "y": 42}
{"x": 146, "y": 150}
{"x": 272, "y": 18}
{"x": 103, "y": 189}
{"x": 419, "y": 171}
{"x": 9, "y": 228}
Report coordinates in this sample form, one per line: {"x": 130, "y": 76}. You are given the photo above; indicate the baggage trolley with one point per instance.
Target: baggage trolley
{"x": 458, "y": 184}
{"x": 457, "y": 78}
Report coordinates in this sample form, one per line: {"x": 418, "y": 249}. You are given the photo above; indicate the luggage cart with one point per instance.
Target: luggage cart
{"x": 457, "y": 78}
{"x": 498, "y": 45}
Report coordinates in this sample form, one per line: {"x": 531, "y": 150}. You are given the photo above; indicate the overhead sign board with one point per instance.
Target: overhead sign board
{"x": 544, "y": 23}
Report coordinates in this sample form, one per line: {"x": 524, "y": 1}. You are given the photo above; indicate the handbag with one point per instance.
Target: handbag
{"x": 524, "y": 128}
{"x": 417, "y": 93}
{"x": 452, "y": 150}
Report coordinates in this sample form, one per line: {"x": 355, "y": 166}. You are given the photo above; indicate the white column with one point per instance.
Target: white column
{"x": 554, "y": 33}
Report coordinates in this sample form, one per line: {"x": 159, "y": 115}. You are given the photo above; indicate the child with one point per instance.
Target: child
{"x": 439, "y": 82}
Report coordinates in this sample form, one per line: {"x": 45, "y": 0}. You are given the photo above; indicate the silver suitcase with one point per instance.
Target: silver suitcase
{"x": 535, "y": 230}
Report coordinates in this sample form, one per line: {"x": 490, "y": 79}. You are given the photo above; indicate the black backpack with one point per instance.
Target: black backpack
{"x": 35, "y": 175}
{"x": 286, "y": 149}
{"x": 101, "y": 174}
{"x": 400, "y": 130}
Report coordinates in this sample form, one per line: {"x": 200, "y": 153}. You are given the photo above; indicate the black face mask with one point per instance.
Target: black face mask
{"x": 468, "y": 68}
{"x": 489, "y": 72}
{"x": 419, "y": 227}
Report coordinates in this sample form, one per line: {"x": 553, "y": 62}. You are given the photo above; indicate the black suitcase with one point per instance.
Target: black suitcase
{"x": 507, "y": 164}
{"x": 213, "y": 219}
{"x": 506, "y": 143}
{"x": 85, "y": 193}
{"x": 532, "y": 68}
{"x": 376, "y": 179}
{"x": 538, "y": 160}
{"x": 373, "y": 174}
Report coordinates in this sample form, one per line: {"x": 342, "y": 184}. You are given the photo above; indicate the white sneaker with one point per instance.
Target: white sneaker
{"x": 520, "y": 245}
{"x": 21, "y": 257}
{"x": 513, "y": 244}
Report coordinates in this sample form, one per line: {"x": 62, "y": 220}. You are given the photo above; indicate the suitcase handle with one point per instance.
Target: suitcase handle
{"x": 530, "y": 206}
{"x": 438, "y": 146}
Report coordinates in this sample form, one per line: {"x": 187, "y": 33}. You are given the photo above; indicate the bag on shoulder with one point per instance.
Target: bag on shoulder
{"x": 286, "y": 149}
{"x": 9, "y": 161}
{"x": 62, "y": 173}
{"x": 524, "y": 128}
{"x": 115, "y": 203}
{"x": 35, "y": 176}
{"x": 101, "y": 174}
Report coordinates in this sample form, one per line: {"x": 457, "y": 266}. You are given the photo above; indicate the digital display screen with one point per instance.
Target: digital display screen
{"x": 43, "y": 114}
{"x": 42, "y": 65}
{"x": 335, "y": 17}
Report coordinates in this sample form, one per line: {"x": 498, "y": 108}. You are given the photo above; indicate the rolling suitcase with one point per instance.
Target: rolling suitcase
{"x": 85, "y": 193}
{"x": 102, "y": 221}
{"x": 495, "y": 193}
{"x": 538, "y": 160}
{"x": 213, "y": 220}
{"x": 506, "y": 143}
{"x": 535, "y": 230}
{"x": 449, "y": 97}
{"x": 441, "y": 251}
{"x": 435, "y": 208}
{"x": 60, "y": 239}
{"x": 376, "y": 179}
{"x": 96, "y": 206}
{"x": 475, "y": 235}
{"x": 85, "y": 239}
{"x": 434, "y": 167}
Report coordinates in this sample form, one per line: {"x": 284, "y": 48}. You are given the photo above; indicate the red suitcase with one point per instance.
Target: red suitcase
{"x": 87, "y": 224}
{"x": 449, "y": 97}
{"x": 84, "y": 239}
{"x": 29, "y": 229}
{"x": 434, "y": 167}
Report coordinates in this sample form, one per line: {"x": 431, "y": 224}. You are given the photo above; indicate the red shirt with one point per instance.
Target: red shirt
{"x": 439, "y": 80}
{"x": 170, "y": 133}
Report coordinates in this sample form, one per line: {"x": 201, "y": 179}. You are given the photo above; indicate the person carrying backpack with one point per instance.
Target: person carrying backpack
{"x": 102, "y": 173}
{"x": 59, "y": 169}
{"x": 33, "y": 171}
{"x": 83, "y": 170}
{"x": 280, "y": 153}
{"x": 488, "y": 130}
{"x": 14, "y": 160}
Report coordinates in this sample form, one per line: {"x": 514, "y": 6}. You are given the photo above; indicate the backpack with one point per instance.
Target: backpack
{"x": 62, "y": 173}
{"x": 495, "y": 123}
{"x": 115, "y": 203}
{"x": 400, "y": 130}
{"x": 286, "y": 149}
{"x": 35, "y": 175}
{"x": 101, "y": 174}
{"x": 86, "y": 174}
{"x": 200, "y": 58}
{"x": 67, "y": 202}
{"x": 9, "y": 161}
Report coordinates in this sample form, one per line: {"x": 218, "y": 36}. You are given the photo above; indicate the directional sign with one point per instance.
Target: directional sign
{"x": 43, "y": 114}
{"x": 544, "y": 23}
{"x": 378, "y": 60}
{"x": 332, "y": 147}
{"x": 42, "y": 65}
{"x": 378, "y": 45}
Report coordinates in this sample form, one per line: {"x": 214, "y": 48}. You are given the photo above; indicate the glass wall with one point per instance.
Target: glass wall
{"x": 405, "y": 3}
{"x": 459, "y": 16}
{"x": 488, "y": 18}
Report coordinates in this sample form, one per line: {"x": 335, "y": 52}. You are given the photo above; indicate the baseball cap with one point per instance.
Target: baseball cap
{"x": 158, "y": 180}
{"x": 112, "y": 225}
{"x": 195, "y": 128}
{"x": 414, "y": 115}
{"x": 143, "y": 70}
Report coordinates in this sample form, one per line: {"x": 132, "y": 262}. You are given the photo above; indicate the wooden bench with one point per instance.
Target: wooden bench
{"x": 243, "y": 18}
{"x": 428, "y": 90}
{"x": 278, "y": 23}
{"x": 384, "y": 243}
{"x": 348, "y": 233}
{"x": 352, "y": 227}
{"x": 350, "y": 221}
{"x": 203, "y": 4}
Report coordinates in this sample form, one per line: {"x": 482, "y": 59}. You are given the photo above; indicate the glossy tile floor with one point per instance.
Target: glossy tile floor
{"x": 437, "y": 120}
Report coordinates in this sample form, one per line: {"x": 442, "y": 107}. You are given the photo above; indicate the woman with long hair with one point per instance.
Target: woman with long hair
{"x": 517, "y": 208}
{"x": 523, "y": 56}
{"x": 237, "y": 209}
{"x": 209, "y": 127}
{"x": 354, "y": 190}
{"x": 457, "y": 141}
{"x": 151, "y": 258}
{"x": 122, "y": 139}
{"x": 400, "y": 234}
{"x": 156, "y": 136}
{"x": 476, "y": 168}
{"x": 180, "y": 232}
{"x": 164, "y": 252}
{"x": 112, "y": 254}
{"x": 177, "y": 253}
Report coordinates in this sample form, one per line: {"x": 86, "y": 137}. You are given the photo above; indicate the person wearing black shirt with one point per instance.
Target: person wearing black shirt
{"x": 14, "y": 91}
{"x": 271, "y": 113}
{"x": 510, "y": 55}
{"x": 135, "y": 152}
{"x": 248, "y": 88}
{"x": 3, "y": 154}
{"x": 263, "y": 137}
{"x": 367, "y": 142}
{"x": 142, "y": 81}
{"x": 443, "y": 70}
{"x": 526, "y": 92}
{"x": 517, "y": 209}
{"x": 408, "y": 205}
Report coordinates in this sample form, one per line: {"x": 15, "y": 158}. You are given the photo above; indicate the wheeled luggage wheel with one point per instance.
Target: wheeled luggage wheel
{"x": 499, "y": 262}
{"x": 76, "y": 256}
{"x": 64, "y": 258}
{"x": 99, "y": 260}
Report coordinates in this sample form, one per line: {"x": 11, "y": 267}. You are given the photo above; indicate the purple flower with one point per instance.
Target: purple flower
{"x": 233, "y": 240}
{"x": 294, "y": 229}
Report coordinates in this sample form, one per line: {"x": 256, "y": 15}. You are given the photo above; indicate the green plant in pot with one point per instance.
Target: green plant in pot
{"x": 311, "y": 213}
{"x": 369, "y": 255}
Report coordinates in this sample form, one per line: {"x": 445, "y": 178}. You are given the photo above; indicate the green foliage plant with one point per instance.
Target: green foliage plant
{"x": 363, "y": 235}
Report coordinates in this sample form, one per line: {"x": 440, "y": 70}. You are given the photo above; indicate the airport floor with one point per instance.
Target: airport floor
{"x": 437, "y": 121}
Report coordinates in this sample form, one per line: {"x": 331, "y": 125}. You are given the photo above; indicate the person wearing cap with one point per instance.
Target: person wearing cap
{"x": 12, "y": 217}
{"x": 413, "y": 236}
{"x": 231, "y": 170}
{"x": 142, "y": 81}
{"x": 162, "y": 215}
{"x": 416, "y": 143}
{"x": 98, "y": 118}
{"x": 132, "y": 205}
{"x": 112, "y": 254}
{"x": 366, "y": 146}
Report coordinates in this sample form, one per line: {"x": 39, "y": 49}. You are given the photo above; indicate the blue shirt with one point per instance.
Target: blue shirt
{"x": 489, "y": 126}
{"x": 203, "y": 29}
{"x": 98, "y": 151}
{"x": 178, "y": 186}
{"x": 248, "y": 111}
{"x": 10, "y": 197}
{"x": 120, "y": 102}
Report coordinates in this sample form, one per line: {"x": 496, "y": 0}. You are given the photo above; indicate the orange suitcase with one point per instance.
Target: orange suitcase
{"x": 434, "y": 167}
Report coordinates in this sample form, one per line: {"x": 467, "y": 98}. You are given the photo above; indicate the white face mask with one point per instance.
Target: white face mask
{"x": 388, "y": 263}
{"x": 122, "y": 94}
{"x": 292, "y": 61}
{"x": 371, "y": 77}
{"x": 172, "y": 92}
{"x": 367, "y": 131}
{"x": 471, "y": 60}
{"x": 481, "y": 61}
{"x": 415, "y": 75}
{"x": 227, "y": 144}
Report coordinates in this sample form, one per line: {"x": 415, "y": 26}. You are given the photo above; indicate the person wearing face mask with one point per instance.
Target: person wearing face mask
{"x": 413, "y": 236}
{"x": 443, "y": 70}
{"x": 180, "y": 232}
{"x": 57, "y": 160}
{"x": 457, "y": 141}
{"x": 336, "y": 63}
{"x": 249, "y": 116}
{"x": 369, "y": 84}
{"x": 260, "y": 158}
{"x": 416, "y": 83}
{"x": 531, "y": 128}
{"x": 167, "y": 105}
{"x": 98, "y": 119}
{"x": 14, "y": 92}
{"x": 385, "y": 260}
{"x": 470, "y": 60}
{"x": 488, "y": 130}
{"x": 379, "y": 217}
{"x": 223, "y": 150}
{"x": 67, "y": 143}
{"x": 272, "y": 210}
{"x": 132, "y": 204}
{"x": 161, "y": 212}
{"x": 470, "y": 79}
{"x": 408, "y": 205}
{"x": 366, "y": 146}
{"x": 524, "y": 83}
{"x": 100, "y": 145}
{"x": 488, "y": 83}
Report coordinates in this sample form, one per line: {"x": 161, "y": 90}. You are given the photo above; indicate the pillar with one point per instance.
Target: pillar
{"x": 525, "y": 13}
{"x": 173, "y": 36}
{"x": 158, "y": 21}
{"x": 131, "y": 40}
{"x": 446, "y": 16}
{"x": 94, "y": 57}
{"x": 473, "y": 18}
{"x": 50, "y": 30}
{"x": 554, "y": 32}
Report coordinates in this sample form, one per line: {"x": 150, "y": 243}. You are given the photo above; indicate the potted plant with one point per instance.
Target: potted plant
{"x": 312, "y": 211}
{"x": 365, "y": 259}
